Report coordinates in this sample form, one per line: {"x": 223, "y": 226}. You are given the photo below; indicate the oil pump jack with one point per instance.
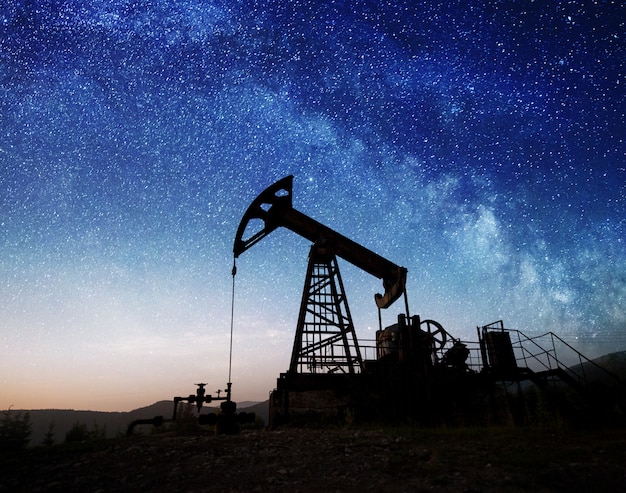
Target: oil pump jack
{"x": 327, "y": 374}
{"x": 419, "y": 371}
{"x": 332, "y": 348}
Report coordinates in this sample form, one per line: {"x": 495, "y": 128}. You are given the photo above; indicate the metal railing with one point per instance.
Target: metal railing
{"x": 550, "y": 355}
{"x": 546, "y": 354}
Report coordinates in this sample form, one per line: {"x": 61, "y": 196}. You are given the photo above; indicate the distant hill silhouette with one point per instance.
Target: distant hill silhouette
{"x": 65, "y": 419}
{"x": 609, "y": 369}
{"x": 114, "y": 423}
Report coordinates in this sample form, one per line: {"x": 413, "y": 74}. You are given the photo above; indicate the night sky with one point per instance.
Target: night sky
{"x": 480, "y": 146}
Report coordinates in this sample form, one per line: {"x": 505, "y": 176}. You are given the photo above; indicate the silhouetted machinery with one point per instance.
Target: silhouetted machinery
{"x": 327, "y": 373}
{"x": 419, "y": 370}
{"x": 226, "y": 421}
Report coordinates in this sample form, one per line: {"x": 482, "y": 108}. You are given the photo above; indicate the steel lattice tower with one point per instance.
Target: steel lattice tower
{"x": 325, "y": 339}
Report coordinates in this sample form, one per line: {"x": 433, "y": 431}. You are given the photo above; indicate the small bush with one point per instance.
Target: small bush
{"x": 186, "y": 422}
{"x": 80, "y": 433}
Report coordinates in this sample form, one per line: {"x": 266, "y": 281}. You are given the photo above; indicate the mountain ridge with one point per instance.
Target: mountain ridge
{"x": 111, "y": 422}
{"x": 601, "y": 369}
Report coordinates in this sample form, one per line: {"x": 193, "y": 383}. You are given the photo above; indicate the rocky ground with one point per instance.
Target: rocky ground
{"x": 330, "y": 460}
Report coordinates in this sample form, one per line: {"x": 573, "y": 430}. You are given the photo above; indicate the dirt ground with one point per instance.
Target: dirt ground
{"x": 330, "y": 460}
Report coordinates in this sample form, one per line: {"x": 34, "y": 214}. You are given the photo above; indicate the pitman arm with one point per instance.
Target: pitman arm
{"x": 273, "y": 207}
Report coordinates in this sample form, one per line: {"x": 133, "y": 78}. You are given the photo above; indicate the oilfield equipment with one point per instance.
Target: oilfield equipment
{"x": 418, "y": 370}
{"x": 225, "y": 421}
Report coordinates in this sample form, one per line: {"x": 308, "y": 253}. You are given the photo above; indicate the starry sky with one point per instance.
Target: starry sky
{"x": 478, "y": 144}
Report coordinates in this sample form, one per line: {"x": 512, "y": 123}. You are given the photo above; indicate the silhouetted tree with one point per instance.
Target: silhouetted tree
{"x": 15, "y": 430}
{"x": 48, "y": 439}
{"x": 77, "y": 433}
{"x": 80, "y": 433}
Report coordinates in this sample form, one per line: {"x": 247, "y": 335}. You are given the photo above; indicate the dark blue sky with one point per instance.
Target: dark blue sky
{"x": 481, "y": 146}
